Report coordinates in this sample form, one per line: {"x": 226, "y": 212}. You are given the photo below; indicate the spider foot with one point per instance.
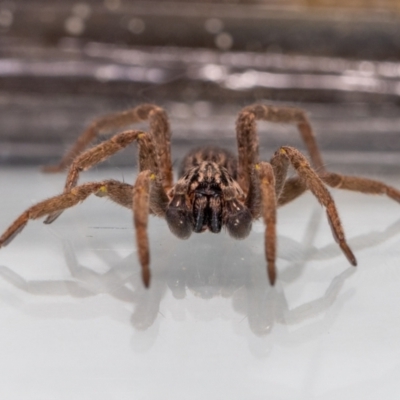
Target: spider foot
{"x": 146, "y": 276}
{"x": 271, "y": 273}
{"x": 13, "y": 230}
{"x": 349, "y": 254}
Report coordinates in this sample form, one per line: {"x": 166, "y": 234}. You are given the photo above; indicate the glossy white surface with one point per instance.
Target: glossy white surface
{"x": 76, "y": 322}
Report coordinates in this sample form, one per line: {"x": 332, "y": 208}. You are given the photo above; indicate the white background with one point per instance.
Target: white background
{"x": 76, "y": 323}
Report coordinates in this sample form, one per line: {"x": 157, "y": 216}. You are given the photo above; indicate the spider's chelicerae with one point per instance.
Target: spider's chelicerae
{"x": 215, "y": 188}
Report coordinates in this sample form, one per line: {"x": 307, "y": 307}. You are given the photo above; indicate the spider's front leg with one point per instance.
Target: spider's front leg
{"x": 148, "y": 196}
{"x": 261, "y": 200}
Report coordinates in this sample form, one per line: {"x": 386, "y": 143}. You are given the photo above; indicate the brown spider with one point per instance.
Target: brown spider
{"x": 214, "y": 190}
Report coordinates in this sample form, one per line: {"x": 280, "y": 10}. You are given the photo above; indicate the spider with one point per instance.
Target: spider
{"x": 215, "y": 189}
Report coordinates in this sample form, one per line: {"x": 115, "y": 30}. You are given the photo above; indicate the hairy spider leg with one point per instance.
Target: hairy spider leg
{"x": 315, "y": 184}
{"x": 140, "y": 207}
{"x": 61, "y": 202}
{"x": 148, "y": 158}
{"x": 247, "y": 138}
{"x": 159, "y": 128}
{"x": 294, "y": 187}
{"x": 266, "y": 179}
{"x": 268, "y": 189}
{"x": 362, "y": 185}
{"x": 148, "y": 193}
{"x": 135, "y": 198}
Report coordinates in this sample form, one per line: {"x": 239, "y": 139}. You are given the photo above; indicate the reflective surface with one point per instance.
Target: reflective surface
{"x": 76, "y": 322}
{"x": 76, "y": 319}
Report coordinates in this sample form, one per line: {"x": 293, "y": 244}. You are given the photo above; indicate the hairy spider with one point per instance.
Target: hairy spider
{"x": 214, "y": 189}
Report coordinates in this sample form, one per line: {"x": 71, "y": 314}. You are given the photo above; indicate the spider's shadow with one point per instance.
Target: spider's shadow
{"x": 242, "y": 279}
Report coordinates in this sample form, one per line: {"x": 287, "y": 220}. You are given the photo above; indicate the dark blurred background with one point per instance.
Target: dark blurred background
{"x": 63, "y": 63}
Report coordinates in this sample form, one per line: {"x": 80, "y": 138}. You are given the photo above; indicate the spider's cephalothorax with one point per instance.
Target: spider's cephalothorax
{"x": 207, "y": 196}
{"x": 215, "y": 188}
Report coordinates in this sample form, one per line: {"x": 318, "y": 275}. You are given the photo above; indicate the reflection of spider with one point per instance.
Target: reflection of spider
{"x": 214, "y": 189}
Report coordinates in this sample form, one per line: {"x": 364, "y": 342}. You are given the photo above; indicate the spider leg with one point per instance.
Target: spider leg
{"x": 314, "y": 183}
{"x": 293, "y": 188}
{"x": 56, "y": 203}
{"x": 118, "y": 192}
{"x": 147, "y": 195}
{"x": 358, "y": 184}
{"x": 141, "y": 198}
{"x": 140, "y": 206}
{"x": 266, "y": 179}
{"x": 247, "y": 138}
{"x": 159, "y": 128}
{"x": 148, "y": 158}
{"x": 266, "y": 186}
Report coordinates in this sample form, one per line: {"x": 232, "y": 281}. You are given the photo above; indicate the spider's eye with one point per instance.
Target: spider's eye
{"x": 179, "y": 218}
{"x": 238, "y": 221}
